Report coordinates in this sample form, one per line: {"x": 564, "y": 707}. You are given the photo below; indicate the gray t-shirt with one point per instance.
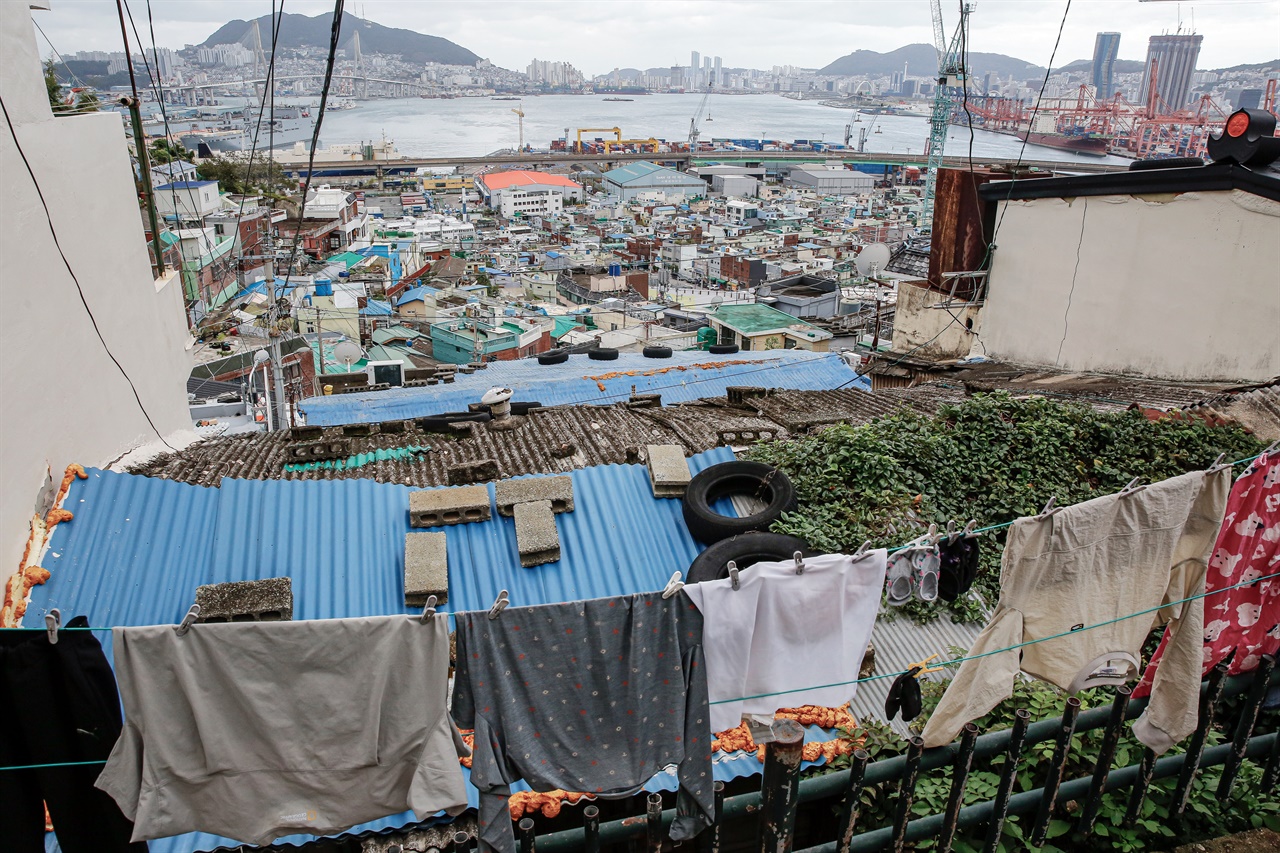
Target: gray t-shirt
{"x": 253, "y": 730}
{"x": 589, "y": 696}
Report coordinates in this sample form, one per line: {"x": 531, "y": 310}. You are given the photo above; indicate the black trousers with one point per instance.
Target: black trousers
{"x": 58, "y": 703}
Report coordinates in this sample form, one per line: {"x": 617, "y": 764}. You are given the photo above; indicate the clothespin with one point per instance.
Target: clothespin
{"x": 968, "y": 533}
{"x": 52, "y": 622}
{"x": 932, "y": 534}
{"x": 187, "y": 621}
{"x": 673, "y": 586}
{"x": 921, "y": 667}
{"x": 499, "y": 604}
{"x": 1271, "y": 448}
{"x": 951, "y": 531}
{"x": 799, "y": 558}
{"x": 428, "y": 611}
{"x": 1049, "y": 508}
{"x": 862, "y": 550}
{"x": 733, "y": 574}
{"x": 1132, "y": 488}
{"x": 1217, "y": 464}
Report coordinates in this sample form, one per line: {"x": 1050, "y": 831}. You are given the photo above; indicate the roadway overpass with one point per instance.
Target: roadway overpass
{"x": 684, "y": 160}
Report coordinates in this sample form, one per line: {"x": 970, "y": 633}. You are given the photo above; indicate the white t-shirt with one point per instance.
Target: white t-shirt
{"x": 780, "y": 631}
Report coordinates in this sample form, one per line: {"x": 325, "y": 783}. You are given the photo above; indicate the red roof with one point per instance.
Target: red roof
{"x": 518, "y": 178}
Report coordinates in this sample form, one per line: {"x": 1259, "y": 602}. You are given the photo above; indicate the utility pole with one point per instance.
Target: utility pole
{"x": 319, "y": 341}
{"x": 140, "y": 143}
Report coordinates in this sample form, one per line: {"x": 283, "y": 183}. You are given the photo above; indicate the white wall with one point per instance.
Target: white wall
{"x": 1172, "y": 286}
{"x": 64, "y": 400}
{"x": 931, "y": 332}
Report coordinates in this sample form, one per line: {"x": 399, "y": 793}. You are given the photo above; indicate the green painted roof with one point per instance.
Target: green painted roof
{"x": 754, "y": 319}
{"x": 565, "y": 325}
{"x": 349, "y": 259}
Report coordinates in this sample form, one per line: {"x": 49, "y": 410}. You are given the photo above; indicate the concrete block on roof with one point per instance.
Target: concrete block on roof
{"x": 668, "y": 470}
{"x": 391, "y": 427}
{"x": 332, "y": 449}
{"x": 458, "y": 505}
{"x": 558, "y": 491}
{"x": 536, "y": 536}
{"x": 426, "y": 568}
{"x": 474, "y": 471}
{"x": 306, "y": 433}
{"x": 268, "y": 600}
{"x": 357, "y": 429}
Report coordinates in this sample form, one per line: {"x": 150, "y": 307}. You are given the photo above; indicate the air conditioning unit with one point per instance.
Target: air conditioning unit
{"x": 385, "y": 373}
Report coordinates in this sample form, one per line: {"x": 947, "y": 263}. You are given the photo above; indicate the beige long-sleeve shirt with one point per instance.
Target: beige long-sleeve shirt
{"x": 1084, "y": 566}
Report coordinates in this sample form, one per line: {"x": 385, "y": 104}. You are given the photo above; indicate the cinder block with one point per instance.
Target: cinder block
{"x": 438, "y": 507}
{"x": 306, "y": 433}
{"x": 475, "y": 471}
{"x": 746, "y": 436}
{"x": 269, "y": 600}
{"x": 558, "y": 491}
{"x": 357, "y": 429}
{"x": 536, "y": 536}
{"x": 390, "y": 427}
{"x": 668, "y": 470}
{"x": 426, "y": 568}
{"x": 332, "y": 449}
{"x": 739, "y": 394}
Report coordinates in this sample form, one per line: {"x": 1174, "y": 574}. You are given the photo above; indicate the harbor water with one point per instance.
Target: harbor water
{"x": 458, "y": 127}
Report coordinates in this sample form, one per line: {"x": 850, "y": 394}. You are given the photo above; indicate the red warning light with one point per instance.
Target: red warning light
{"x": 1238, "y": 124}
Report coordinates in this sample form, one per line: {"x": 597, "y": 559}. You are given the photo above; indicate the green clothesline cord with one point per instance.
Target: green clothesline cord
{"x": 988, "y": 529}
{"x": 56, "y": 764}
{"x": 1007, "y": 648}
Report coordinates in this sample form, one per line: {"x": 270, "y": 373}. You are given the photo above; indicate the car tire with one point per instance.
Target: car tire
{"x": 444, "y": 423}
{"x": 553, "y": 357}
{"x": 1166, "y": 163}
{"x": 657, "y": 351}
{"x": 730, "y": 478}
{"x": 722, "y": 349}
{"x": 602, "y": 354}
{"x": 745, "y": 550}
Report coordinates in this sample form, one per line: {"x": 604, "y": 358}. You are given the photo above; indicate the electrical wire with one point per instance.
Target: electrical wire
{"x": 79, "y": 290}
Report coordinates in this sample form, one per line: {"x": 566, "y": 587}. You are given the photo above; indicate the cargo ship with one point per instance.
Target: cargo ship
{"x": 1082, "y": 143}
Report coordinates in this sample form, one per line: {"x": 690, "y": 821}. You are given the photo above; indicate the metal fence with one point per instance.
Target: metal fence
{"x": 775, "y": 806}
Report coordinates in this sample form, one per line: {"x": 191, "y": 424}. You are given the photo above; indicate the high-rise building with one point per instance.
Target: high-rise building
{"x": 706, "y": 79}
{"x": 717, "y": 78}
{"x": 695, "y": 65}
{"x": 1174, "y": 61}
{"x": 1105, "y": 49}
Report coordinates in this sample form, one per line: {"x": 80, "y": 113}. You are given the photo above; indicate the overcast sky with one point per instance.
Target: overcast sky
{"x": 599, "y": 35}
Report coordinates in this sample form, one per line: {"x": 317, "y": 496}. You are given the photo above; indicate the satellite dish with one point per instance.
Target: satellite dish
{"x": 872, "y": 259}
{"x": 348, "y": 351}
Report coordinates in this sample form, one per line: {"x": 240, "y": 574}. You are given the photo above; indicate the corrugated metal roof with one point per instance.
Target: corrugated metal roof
{"x": 690, "y": 375}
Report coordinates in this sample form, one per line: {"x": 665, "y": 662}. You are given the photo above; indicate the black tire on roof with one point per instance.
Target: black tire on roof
{"x": 553, "y": 357}
{"x": 729, "y": 478}
{"x": 602, "y": 354}
{"x": 722, "y": 349}
{"x": 745, "y": 550}
{"x": 657, "y": 351}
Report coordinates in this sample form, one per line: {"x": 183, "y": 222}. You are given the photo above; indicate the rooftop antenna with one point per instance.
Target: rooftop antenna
{"x": 872, "y": 260}
{"x": 347, "y": 352}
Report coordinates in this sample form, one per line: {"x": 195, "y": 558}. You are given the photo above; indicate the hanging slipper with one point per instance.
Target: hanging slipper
{"x": 904, "y": 697}
{"x": 951, "y": 569}
{"x": 926, "y": 564}
{"x": 900, "y": 574}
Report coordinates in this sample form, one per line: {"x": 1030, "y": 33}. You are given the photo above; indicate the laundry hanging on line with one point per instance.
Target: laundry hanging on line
{"x": 1245, "y": 620}
{"x": 253, "y": 730}
{"x": 58, "y": 703}
{"x": 1090, "y": 565}
{"x": 778, "y": 630}
{"x": 593, "y": 696}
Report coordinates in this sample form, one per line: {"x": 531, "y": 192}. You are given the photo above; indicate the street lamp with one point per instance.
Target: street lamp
{"x": 261, "y": 358}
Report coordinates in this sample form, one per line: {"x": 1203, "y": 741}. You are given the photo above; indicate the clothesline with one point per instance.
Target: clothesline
{"x": 975, "y": 532}
{"x": 1006, "y": 648}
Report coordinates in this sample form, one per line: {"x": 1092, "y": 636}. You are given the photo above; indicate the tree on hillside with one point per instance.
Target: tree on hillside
{"x": 86, "y": 101}
{"x": 164, "y": 151}
{"x": 235, "y": 175}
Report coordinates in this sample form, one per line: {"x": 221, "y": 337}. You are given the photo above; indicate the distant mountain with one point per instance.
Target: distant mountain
{"x": 1122, "y": 66}
{"x": 922, "y": 59}
{"x": 298, "y": 31}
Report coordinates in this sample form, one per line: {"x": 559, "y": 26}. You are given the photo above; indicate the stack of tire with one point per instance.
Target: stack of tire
{"x": 746, "y": 541}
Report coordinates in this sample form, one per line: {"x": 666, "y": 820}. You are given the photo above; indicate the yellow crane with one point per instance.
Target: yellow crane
{"x": 616, "y": 131}
{"x": 520, "y": 112}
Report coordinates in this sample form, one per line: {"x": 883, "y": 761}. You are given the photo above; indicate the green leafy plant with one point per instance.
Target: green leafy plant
{"x": 991, "y": 458}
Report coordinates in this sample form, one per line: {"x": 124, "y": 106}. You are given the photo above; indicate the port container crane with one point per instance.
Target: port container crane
{"x": 520, "y": 112}
{"x": 951, "y": 73}
{"x": 693, "y": 122}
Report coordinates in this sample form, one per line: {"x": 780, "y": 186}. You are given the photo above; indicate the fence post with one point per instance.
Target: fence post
{"x": 1061, "y": 750}
{"x": 1000, "y": 805}
{"x": 1107, "y": 752}
{"x": 1139, "y": 791}
{"x": 653, "y": 823}
{"x": 852, "y": 794}
{"x": 461, "y": 842}
{"x": 780, "y": 787}
{"x": 526, "y": 835}
{"x": 906, "y": 792}
{"x": 1248, "y": 716}
{"x": 591, "y": 829}
{"x": 959, "y": 776}
{"x": 709, "y": 838}
{"x": 1208, "y": 706}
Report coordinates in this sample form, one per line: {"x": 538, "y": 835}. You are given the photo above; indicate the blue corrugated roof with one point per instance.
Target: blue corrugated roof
{"x": 184, "y": 185}
{"x": 376, "y": 308}
{"x": 674, "y": 378}
{"x": 414, "y": 294}
{"x": 138, "y": 547}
